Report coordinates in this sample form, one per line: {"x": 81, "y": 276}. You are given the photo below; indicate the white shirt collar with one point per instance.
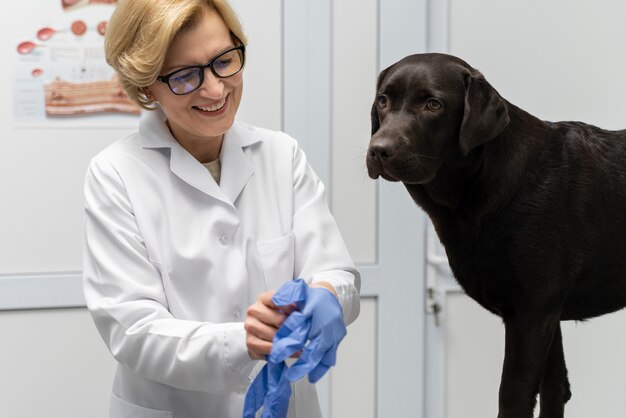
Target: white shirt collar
{"x": 155, "y": 133}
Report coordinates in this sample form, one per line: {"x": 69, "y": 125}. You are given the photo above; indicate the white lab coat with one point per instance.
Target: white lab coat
{"x": 172, "y": 261}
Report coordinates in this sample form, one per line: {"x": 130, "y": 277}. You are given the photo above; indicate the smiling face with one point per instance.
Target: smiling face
{"x": 198, "y": 120}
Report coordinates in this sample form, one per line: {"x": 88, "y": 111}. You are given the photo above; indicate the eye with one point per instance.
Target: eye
{"x": 434, "y": 105}
{"x": 381, "y": 102}
{"x": 222, "y": 63}
{"x": 184, "y": 75}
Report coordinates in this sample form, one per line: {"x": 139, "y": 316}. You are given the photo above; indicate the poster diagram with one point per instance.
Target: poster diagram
{"x": 71, "y": 4}
{"x": 61, "y": 77}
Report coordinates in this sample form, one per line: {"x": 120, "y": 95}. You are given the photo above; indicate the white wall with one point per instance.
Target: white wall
{"x": 53, "y": 364}
{"x": 594, "y": 353}
{"x": 559, "y": 60}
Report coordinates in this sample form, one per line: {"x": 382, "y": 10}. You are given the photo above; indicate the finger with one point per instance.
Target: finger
{"x": 258, "y": 349}
{"x": 326, "y": 363}
{"x": 318, "y": 372}
{"x": 258, "y": 338}
{"x": 267, "y": 315}
{"x": 266, "y": 299}
{"x": 260, "y": 329}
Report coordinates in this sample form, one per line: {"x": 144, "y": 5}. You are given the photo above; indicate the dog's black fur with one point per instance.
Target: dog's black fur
{"x": 532, "y": 214}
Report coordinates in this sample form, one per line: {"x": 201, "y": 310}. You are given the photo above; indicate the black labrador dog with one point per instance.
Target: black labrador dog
{"x": 532, "y": 214}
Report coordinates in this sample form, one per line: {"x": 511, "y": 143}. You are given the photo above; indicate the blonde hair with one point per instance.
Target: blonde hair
{"x": 140, "y": 32}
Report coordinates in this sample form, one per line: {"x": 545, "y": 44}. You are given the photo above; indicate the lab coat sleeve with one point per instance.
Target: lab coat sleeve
{"x": 125, "y": 295}
{"x": 321, "y": 254}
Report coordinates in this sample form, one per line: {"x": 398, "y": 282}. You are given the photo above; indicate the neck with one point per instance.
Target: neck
{"x": 203, "y": 149}
{"x": 489, "y": 175}
{"x": 453, "y": 178}
{"x": 205, "y": 153}
{"x": 470, "y": 187}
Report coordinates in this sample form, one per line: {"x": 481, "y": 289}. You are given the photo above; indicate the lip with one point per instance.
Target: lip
{"x": 376, "y": 169}
{"x": 215, "y": 113}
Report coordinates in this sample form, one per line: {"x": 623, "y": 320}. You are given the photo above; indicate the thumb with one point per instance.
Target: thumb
{"x": 326, "y": 363}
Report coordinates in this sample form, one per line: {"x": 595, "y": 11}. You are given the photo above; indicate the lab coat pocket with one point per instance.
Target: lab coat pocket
{"x": 278, "y": 257}
{"x": 124, "y": 409}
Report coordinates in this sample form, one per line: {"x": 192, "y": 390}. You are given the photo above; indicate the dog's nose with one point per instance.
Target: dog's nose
{"x": 381, "y": 149}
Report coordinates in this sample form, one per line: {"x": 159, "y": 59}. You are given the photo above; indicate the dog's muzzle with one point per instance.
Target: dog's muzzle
{"x": 381, "y": 150}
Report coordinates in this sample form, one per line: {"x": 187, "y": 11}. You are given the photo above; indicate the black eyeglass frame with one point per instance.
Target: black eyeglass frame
{"x": 166, "y": 78}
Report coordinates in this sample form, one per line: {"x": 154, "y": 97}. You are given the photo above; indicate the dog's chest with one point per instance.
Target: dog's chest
{"x": 478, "y": 263}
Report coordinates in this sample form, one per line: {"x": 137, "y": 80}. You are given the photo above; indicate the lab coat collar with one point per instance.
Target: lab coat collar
{"x": 236, "y": 166}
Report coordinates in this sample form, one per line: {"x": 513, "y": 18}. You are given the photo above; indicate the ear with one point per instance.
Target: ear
{"x": 374, "y": 112}
{"x": 485, "y": 115}
{"x": 147, "y": 93}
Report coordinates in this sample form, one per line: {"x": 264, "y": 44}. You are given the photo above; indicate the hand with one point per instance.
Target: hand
{"x": 318, "y": 321}
{"x": 320, "y": 316}
{"x": 262, "y": 321}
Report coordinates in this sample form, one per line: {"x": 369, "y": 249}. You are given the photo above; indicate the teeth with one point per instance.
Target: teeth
{"x": 213, "y": 108}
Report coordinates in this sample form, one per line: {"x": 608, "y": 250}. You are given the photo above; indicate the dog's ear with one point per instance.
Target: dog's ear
{"x": 485, "y": 115}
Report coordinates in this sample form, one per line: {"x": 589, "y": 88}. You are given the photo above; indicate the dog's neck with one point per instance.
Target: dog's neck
{"x": 448, "y": 187}
{"x": 467, "y": 186}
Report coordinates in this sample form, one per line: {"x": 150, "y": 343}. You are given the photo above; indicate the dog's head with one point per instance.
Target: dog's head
{"x": 430, "y": 108}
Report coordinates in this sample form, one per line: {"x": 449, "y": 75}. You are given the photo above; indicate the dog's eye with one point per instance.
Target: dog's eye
{"x": 434, "y": 105}
{"x": 381, "y": 101}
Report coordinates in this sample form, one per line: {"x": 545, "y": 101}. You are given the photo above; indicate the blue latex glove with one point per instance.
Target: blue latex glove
{"x": 319, "y": 320}
{"x": 271, "y": 389}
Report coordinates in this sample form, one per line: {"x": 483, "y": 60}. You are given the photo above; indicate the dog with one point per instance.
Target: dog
{"x": 532, "y": 214}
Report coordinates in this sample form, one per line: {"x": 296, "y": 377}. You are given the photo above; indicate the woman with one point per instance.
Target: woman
{"x": 195, "y": 220}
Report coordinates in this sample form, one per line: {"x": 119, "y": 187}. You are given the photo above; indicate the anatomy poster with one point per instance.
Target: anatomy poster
{"x": 61, "y": 78}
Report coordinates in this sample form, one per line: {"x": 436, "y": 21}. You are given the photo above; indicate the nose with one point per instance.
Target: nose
{"x": 381, "y": 148}
{"x": 212, "y": 85}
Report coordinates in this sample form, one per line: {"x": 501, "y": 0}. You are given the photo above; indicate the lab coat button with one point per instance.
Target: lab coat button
{"x": 224, "y": 239}
{"x": 236, "y": 313}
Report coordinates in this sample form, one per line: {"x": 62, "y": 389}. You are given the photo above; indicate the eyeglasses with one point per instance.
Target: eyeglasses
{"x": 189, "y": 79}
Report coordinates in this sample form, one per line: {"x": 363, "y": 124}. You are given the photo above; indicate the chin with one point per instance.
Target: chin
{"x": 217, "y": 128}
{"x": 417, "y": 178}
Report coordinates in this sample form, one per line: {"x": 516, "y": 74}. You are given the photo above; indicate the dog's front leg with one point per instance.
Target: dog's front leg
{"x": 526, "y": 348}
{"x": 555, "y": 390}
